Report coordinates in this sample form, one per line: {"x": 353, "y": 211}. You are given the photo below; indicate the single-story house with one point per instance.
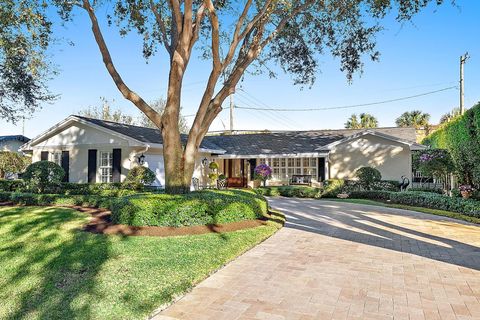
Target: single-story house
{"x": 12, "y": 143}
{"x": 92, "y": 150}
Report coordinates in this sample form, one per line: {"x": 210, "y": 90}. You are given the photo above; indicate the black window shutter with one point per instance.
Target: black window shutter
{"x": 66, "y": 164}
{"x": 44, "y": 155}
{"x": 321, "y": 169}
{"x": 116, "y": 165}
{"x": 92, "y": 165}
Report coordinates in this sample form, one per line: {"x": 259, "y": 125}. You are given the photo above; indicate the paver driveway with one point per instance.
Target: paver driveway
{"x": 347, "y": 261}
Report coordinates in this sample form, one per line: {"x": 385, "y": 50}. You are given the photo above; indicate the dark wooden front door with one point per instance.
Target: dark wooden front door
{"x": 236, "y": 175}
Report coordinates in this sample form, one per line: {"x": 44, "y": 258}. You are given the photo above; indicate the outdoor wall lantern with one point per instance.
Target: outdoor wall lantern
{"x": 204, "y": 162}
{"x": 141, "y": 159}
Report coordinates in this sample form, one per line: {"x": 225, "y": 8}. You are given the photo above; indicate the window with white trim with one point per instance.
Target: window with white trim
{"x": 106, "y": 166}
{"x": 56, "y": 157}
{"x": 285, "y": 168}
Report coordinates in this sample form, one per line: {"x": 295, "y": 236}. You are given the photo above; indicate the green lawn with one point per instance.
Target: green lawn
{"x": 52, "y": 270}
{"x": 437, "y": 212}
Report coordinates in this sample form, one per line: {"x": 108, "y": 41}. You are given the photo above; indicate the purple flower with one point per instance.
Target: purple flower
{"x": 263, "y": 170}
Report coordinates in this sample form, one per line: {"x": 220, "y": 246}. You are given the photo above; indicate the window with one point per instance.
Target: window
{"x": 106, "y": 164}
{"x": 56, "y": 157}
{"x": 285, "y": 168}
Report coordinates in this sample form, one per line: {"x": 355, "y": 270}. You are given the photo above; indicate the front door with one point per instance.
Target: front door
{"x": 236, "y": 173}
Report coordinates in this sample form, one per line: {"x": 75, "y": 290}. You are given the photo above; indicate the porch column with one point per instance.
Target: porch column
{"x": 326, "y": 168}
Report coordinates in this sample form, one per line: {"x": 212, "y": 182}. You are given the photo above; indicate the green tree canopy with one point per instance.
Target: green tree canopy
{"x": 415, "y": 118}
{"x": 12, "y": 163}
{"x": 365, "y": 121}
{"x": 107, "y": 113}
{"x": 159, "y": 106}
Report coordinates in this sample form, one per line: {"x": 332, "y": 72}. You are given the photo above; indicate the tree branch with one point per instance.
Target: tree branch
{"x": 117, "y": 79}
{"x": 161, "y": 23}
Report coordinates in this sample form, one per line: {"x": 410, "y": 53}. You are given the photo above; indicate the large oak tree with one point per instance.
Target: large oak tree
{"x": 234, "y": 36}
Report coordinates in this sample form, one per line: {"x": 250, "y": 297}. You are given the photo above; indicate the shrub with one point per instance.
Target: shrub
{"x": 11, "y": 185}
{"x": 43, "y": 176}
{"x": 332, "y": 187}
{"x": 100, "y": 189}
{"x": 290, "y": 191}
{"x": 430, "y": 200}
{"x": 461, "y": 137}
{"x": 195, "y": 208}
{"x": 139, "y": 176}
{"x": 367, "y": 177}
{"x": 426, "y": 189}
{"x": 34, "y": 199}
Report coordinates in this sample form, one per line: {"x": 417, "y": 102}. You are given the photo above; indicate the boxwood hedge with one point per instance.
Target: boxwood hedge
{"x": 34, "y": 199}
{"x": 196, "y": 208}
{"x": 430, "y": 200}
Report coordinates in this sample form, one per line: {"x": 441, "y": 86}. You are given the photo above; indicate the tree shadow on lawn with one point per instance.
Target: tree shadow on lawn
{"x": 50, "y": 265}
{"x": 353, "y": 222}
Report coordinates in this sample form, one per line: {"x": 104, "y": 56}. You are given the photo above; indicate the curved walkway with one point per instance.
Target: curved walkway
{"x": 337, "y": 260}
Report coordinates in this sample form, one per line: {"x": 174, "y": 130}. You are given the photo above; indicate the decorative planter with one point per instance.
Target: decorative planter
{"x": 466, "y": 194}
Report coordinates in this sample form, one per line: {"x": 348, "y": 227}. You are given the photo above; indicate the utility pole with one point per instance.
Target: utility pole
{"x": 231, "y": 113}
{"x": 462, "y": 94}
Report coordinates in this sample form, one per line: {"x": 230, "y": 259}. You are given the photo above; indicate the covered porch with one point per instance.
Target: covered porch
{"x": 240, "y": 171}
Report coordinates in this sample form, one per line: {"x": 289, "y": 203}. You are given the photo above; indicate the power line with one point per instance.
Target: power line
{"x": 353, "y": 105}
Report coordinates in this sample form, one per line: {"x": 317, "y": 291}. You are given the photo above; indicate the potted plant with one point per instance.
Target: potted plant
{"x": 213, "y": 175}
{"x": 466, "y": 191}
{"x": 263, "y": 172}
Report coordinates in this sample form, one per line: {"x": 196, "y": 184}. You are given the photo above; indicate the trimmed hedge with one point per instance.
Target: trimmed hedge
{"x": 195, "y": 208}
{"x": 461, "y": 137}
{"x": 34, "y": 199}
{"x": 290, "y": 191}
{"x": 11, "y": 185}
{"x": 430, "y": 200}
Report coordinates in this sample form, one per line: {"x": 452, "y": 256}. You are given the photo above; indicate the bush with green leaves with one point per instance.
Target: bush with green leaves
{"x": 367, "y": 177}
{"x": 35, "y": 199}
{"x": 11, "y": 185}
{"x": 332, "y": 188}
{"x": 139, "y": 176}
{"x": 99, "y": 189}
{"x": 195, "y": 208}
{"x": 430, "y": 200}
{"x": 290, "y": 191}
{"x": 461, "y": 137}
{"x": 43, "y": 176}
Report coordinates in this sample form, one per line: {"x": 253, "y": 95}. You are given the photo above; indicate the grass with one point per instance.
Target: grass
{"x": 53, "y": 270}
{"x": 436, "y": 212}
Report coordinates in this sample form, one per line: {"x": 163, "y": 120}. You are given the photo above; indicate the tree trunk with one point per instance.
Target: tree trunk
{"x": 179, "y": 162}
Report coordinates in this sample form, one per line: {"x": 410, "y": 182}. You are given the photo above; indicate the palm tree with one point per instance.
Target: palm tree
{"x": 364, "y": 122}
{"x": 415, "y": 118}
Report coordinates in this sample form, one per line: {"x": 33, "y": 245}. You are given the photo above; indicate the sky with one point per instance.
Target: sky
{"x": 416, "y": 57}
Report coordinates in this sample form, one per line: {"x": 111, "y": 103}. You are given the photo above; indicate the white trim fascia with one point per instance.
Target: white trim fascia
{"x": 412, "y": 145}
{"x": 70, "y": 119}
{"x": 217, "y": 151}
{"x": 280, "y": 155}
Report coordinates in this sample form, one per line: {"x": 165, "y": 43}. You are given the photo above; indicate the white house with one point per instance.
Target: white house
{"x": 92, "y": 150}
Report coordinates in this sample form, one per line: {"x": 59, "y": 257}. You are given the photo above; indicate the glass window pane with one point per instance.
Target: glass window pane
{"x": 283, "y": 162}
{"x": 306, "y": 162}
{"x": 276, "y": 162}
{"x": 298, "y": 162}
{"x": 291, "y": 162}
{"x": 313, "y": 162}
{"x": 298, "y": 170}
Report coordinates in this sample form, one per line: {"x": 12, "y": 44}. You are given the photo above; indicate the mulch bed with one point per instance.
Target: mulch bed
{"x": 101, "y": 223}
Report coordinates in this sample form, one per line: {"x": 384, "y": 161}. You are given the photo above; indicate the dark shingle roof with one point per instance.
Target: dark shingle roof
{"x": 18, "y": 137}
{"x": 293, "y": 142}
{"x": 285, "y": 142}
{"x": 147, "y": 135}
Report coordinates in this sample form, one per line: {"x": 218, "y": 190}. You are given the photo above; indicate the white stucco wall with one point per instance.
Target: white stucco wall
{"x": 78, "y": 139}
{"x": 392, "y": 159}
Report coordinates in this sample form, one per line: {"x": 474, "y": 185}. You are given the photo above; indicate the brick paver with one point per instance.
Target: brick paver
{"x": 347, "y": 261}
